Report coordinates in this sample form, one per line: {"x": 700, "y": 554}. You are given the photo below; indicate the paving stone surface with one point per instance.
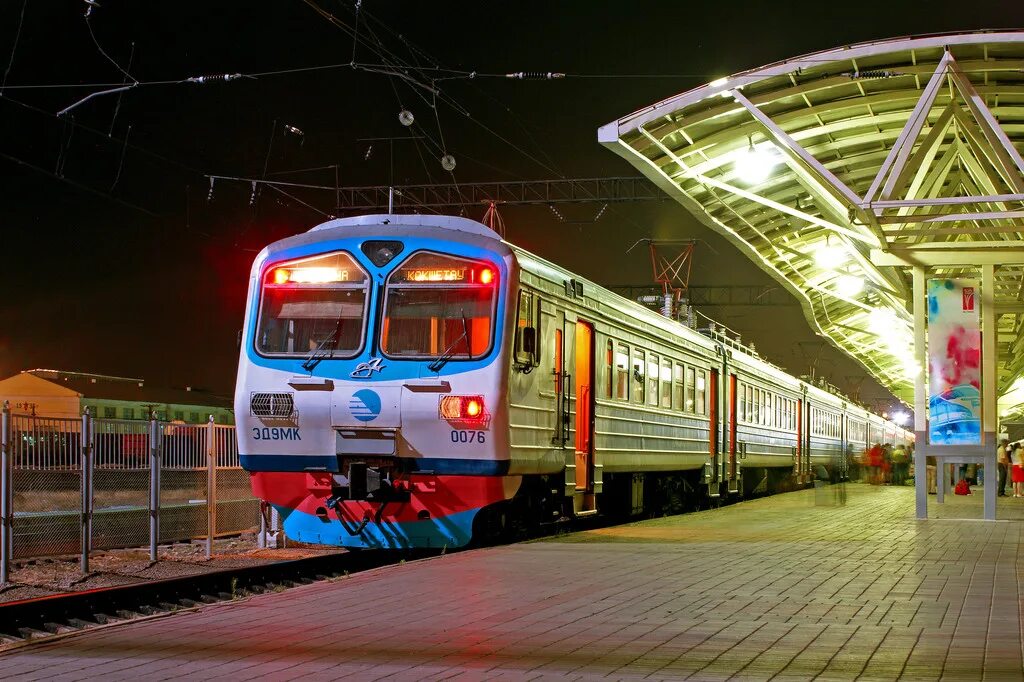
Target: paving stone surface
{"x": 793, "y": 587}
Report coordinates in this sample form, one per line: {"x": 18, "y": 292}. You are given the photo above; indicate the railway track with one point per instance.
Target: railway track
{"x": 31, "y": 620}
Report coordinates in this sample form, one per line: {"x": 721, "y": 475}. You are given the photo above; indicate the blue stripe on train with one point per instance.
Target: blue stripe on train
{"x": 441, "y": 466}
{"x": 454, "y": 530}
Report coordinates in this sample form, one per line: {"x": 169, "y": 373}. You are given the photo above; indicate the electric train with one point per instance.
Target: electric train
{"x": 415, "y": 381}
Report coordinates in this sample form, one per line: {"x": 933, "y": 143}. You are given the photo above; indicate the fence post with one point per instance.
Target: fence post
{"x": 154, "y": 487}
{"x": 211, "y": 486}
{"x": 6, "y": 493}
{"x": 280, "y": 539}
{"x": 86, "y": 488}
{"x": 261, "y": 539}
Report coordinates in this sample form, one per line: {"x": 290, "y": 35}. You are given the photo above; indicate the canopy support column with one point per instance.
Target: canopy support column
{"x": 920, "y": 399}
{"x": 988, "y": 385}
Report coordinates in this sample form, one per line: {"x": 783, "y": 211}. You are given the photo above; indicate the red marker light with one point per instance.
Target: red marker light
{"x": 281, "y": 276}
{"x": 486, "y": 276}
{"x": 462, "y": 408}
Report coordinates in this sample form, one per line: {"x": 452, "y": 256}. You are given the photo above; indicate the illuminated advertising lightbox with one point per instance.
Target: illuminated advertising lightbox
{"x": 954, "y": 362}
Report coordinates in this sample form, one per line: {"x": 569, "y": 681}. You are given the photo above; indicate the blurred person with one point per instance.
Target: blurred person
{"x": 971, "y": 473}
{"x": 899, "y": 465}
{"x": 1017, "y": 471}
{"x": 839, "y": 476}
{"x": 874, "y": 464}
{"x": 1003, "y": 462}
{"x": 887, "y": 464}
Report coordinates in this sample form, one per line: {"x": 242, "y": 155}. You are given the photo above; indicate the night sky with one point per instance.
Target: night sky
{"x": 115, "y": 261}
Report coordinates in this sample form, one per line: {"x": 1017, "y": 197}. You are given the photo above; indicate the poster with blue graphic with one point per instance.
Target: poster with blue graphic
{"x": 954, "y": 362}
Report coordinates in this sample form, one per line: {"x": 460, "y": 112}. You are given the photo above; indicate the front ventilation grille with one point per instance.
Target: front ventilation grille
{"x": 272, "y": 404}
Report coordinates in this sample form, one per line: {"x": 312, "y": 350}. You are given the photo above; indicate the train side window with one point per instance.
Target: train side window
{"x": 638, "y": 376}
{"x": 622, "y": 372}
{"x": 702, "y": 386}
{"x": 652, "y": 379}
{"x": 666, "y": 383}
{"x": 677, "y": 387}
{"x": 691, "y": 390}
{"x": 609, "y": 378}
{"x": 527, "y": 353}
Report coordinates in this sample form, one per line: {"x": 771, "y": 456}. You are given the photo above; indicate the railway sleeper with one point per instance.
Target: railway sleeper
{"x": 59, "y": 628}
{"x": 32, "y": 633}
{"x": 81, "y": 624}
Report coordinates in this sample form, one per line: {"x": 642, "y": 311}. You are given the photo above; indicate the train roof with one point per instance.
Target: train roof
{"x": 413, "y": 220}
{"x": 382, "y": 224}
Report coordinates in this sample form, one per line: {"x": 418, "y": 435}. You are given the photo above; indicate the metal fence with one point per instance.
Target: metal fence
{"x": 70, "y": 486}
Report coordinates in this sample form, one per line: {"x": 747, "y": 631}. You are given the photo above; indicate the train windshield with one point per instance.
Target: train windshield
{"x": 313, "y": 305}
{"x": 439, "y": 306}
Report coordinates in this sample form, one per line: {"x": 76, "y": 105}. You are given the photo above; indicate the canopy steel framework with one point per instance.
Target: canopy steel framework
{"x": 876, "y": 159}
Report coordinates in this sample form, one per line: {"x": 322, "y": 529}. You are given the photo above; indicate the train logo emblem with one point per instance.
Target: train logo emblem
{"x": 364, "y": 405}
{"x": 365, "y": 370}
{"x": 968, "y": 294}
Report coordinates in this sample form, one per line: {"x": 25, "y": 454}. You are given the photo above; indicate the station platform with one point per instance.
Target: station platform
{"x": 791, "y": 587}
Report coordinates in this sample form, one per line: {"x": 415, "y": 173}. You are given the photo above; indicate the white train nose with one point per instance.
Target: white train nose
{"x": 366, "y": 406}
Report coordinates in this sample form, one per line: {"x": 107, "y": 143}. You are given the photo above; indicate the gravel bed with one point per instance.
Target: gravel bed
{"x": 56, "y": 575}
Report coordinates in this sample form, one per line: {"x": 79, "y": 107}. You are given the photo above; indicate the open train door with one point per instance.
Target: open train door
{"x": 732, "y": 465}
{"x": 713, "y": 467}
{"x": 583, "y": 383}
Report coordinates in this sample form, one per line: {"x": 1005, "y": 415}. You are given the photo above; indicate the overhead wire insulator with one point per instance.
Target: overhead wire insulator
{"x": 220, "y": 78}
{"x": 535, "y": 75}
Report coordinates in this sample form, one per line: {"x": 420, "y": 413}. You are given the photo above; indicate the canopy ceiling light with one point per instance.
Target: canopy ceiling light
{"x": 849, "y": 285}
{"x": 755, "y": 164}
{"x": 830, "y": 257}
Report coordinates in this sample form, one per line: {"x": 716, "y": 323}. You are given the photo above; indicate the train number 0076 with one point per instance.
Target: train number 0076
{"x": 468, "y": 437}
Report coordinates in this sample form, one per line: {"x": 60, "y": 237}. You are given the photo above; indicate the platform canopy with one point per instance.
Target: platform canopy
{"x": 835, "y": 171}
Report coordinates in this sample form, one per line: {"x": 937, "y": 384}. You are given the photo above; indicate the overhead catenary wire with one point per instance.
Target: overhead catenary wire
{"x": 548, "y": 166}
{"x": 14, "y": 47}
{"x": 88, "y": 24}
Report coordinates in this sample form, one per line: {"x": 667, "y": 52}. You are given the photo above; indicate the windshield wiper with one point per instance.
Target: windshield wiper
{"x": 317, "y": 355}
{"x": 449, "y": 352}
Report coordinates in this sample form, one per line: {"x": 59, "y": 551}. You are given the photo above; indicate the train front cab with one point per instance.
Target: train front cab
{"x": 393, "y": 420}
